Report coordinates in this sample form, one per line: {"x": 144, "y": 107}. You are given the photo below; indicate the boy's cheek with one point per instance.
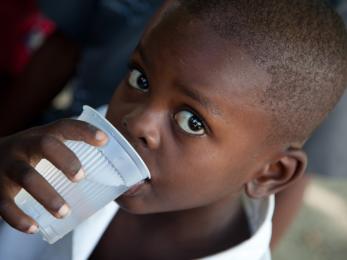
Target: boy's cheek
{"x": 193, "y": 184}
{"x": 184, "y": 185}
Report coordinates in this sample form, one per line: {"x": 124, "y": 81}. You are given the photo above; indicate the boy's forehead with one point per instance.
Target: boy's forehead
{"x": 181, "y": 52}
{"x": 195, "y": 54}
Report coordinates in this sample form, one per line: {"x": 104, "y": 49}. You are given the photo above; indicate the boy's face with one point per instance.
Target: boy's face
{"x": 187, "y": 106}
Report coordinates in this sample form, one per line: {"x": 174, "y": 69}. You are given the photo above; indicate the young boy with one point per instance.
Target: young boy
{"x": 220, "y": 97}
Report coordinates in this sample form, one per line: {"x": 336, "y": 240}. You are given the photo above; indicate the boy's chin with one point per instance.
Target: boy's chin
{"x": 133, "y": 205}
{"x": 134, "y": 200}
{"x": 141, "y": 205}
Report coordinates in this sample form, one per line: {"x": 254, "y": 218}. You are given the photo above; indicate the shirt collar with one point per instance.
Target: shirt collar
{"x": 258, "y": 211}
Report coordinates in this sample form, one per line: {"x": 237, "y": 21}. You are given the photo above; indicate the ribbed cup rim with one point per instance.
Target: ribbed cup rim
{"x": 123, "y": 142}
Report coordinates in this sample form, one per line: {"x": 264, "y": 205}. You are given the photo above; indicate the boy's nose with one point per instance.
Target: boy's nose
{"x": 143, "y": 127}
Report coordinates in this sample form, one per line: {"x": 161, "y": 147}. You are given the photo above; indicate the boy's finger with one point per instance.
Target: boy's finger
{"x": 16, "y": 218}
{"x": 61, "y": 157}
{"x": 27, "y": 177}
{"x": 70, "y": 129}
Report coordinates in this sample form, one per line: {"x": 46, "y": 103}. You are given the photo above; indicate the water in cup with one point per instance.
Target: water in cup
{"x": 110, "y": 171}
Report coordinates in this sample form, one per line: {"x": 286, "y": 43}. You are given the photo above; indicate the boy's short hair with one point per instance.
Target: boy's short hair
{"x": 301, "y": 44}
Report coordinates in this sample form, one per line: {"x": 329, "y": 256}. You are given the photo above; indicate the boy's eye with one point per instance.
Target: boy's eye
{"x": 138, "y": 80}
{"x": 190, "y": 123}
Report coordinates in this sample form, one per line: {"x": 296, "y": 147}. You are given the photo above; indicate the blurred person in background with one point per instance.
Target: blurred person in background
{"x": 92, "y": 43}
{"x": 22, "y": 30}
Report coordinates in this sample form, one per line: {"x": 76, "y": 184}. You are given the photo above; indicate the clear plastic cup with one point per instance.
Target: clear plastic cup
{"x": 110, "y": 171}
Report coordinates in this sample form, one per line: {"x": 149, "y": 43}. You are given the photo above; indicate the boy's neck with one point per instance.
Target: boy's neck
{"x": 204, "y": 230}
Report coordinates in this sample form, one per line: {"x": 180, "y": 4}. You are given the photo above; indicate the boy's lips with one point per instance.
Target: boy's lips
{"x": 135, "y": 189}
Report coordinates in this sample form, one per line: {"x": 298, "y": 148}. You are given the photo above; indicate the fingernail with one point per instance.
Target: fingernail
{"x": 79, "y": 175}
{"x": 33, "y": 229}
{"x": 100, "y": 136}
{"x": 64, "y": 211}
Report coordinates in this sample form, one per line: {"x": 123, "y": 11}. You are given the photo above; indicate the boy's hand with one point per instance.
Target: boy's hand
{"x": 20, "y": 153}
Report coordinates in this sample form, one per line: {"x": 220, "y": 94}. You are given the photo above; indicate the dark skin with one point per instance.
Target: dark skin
{"x": 22, "y": 151}
{"x": 188, "y": 107}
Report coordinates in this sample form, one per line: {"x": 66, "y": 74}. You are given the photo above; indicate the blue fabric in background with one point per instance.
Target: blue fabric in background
{"x": 109, "y": 30}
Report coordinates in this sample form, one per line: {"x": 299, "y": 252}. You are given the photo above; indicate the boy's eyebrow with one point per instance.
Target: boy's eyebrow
{"x": 143, "y": 55}
{"x": 204, "y": 101}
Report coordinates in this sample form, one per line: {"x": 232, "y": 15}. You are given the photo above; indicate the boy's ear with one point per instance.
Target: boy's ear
{"x": 278, "y": 175}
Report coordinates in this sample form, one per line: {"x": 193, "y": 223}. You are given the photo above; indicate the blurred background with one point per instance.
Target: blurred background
{"x": 56, "y": 56}
{"x": 320, "y": 229}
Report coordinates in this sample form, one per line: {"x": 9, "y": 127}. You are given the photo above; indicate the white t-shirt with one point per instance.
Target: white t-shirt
{"x": 79, "y": 244}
